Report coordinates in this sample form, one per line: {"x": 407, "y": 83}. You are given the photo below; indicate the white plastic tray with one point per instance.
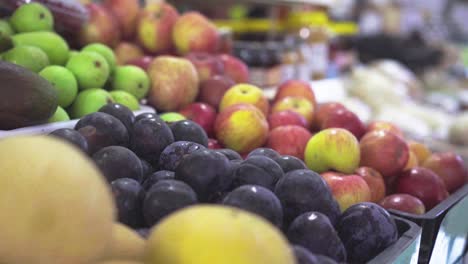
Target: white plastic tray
{"x": 47, "y": 128}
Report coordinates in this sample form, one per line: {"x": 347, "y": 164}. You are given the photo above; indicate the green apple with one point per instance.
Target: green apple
{"x": 32, "y": 17}
{"x": 333, "y": 149}
{"x": 90, "y": 101}
{"x": 90, "y": 69}
{"x": 105, "y": 51}
{"x": 60, "y": 115}
{"x": 171, "y": 117}
{"x": 131, "y": 79}
{"x": 124, "y": 98}
{"x": 64, "y": 83}
{"x": 5, "y": 33}
{"x": 29, "y": 57}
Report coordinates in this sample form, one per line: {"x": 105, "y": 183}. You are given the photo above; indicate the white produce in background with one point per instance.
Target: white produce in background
{"x": 458, "y": 133}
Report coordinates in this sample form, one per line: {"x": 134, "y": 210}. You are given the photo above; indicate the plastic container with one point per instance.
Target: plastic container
{"x": 47, "y": 128}
{"x": 405, "y": 250}
{"x": 431, "y": 221}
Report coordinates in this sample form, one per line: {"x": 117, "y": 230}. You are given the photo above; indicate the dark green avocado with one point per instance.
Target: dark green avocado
{"x": 26, "y": 98}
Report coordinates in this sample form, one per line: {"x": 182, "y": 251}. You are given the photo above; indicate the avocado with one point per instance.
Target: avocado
{"x": 26, "y": 98}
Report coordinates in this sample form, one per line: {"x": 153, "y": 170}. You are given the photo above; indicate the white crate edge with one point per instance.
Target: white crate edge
{"x": 47, "y": 128}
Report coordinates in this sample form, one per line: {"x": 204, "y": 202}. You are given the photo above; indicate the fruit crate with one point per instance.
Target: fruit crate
{"x": 406, "y": 249}
{"x": 431, "y": 221}
{"x": 47, "y": 128}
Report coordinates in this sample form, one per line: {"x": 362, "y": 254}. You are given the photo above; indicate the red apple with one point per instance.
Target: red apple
{"x": 449, "y": 167}
{"x": 295, "y": 88}
{"x": 214, "y": 144}
{"x": 347, "y": 189}
{"x": 423, "y": 184}
{"x": 193, "y": 32}
{"x": 375, "y": 181}
{"x": 299, "y": 105}
{"x": 241, "y": 127}
{"x": 342, "y": 118}
{"x": 213, "y": 89}
{"x": 202, "y": 114}
{"x": 403, "y": 202}
{"x": 383, "y": 125}
{"x": 101, "y": 27}
{"x": 286, "y": 117}
{"x": 142, "y": 62}
{"x": 155, "y": 25}
{"x": 206, "y": 64}
{"x": 127, "y": 51}
{"x": 384, "y": 151}
{"x": 236, "y": 69}
{"x": 174, "y": 83}
{"x": 126, "y": 13}
{"x": 289, "y": 140}
{"x": 323, "y": 110}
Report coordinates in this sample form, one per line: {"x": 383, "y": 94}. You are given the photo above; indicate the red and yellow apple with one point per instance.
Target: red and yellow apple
{"x": 206, "y": 64}
{"x": 142, "y": 62}
{"x": 286, "y": 117}
{"x": 202, "y": 114}
{"x": 412, "y": 161}
{"x": 324, "y": 110}
{"x": 299, "y": 105}
{"x": 241, "y": 127}
{"x": 245, "y": 94}
{"x": 383, "y": 125}
{"x": 384, "y": 151}
{"x": 347, "y": 189}
{"x": 213, "y": 89}
{"x": 126, "y": 13}
{"x": 403, "y": 202}
{"x": 155, "y": 25}
{"x": 332, "y": 149}
{"x": 101, "y": 27}
{"x": 234, "y": 68}
{"x": 449, "y": 167}
{"x": 193, "y": 32}
{"x": 289, "y": 140}
{"x": 342, "y": 118}
{"x": 127, "y": 51}
{"x": 174, "y": 83}
{"x": 295, "y": 88}
{"x": 421, "y": 151}
{"x": 213, "y": 144}
{"x": 423, "y": 184}
{"x": 375, "y": 182}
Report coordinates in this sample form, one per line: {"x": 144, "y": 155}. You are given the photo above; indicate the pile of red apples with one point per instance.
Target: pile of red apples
{"x": 189, "y": 75}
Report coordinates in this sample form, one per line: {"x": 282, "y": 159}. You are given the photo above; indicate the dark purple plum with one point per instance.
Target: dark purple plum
{"x": 175, "y": 152}
{"x": 290, "y": 163}
{"x": 117, "y": 162}
{"x": 302, "y": 191}
{"x": 128, "y": 196}
{"x": 143, "y": 232}
{"x": 165, "y": 197}
{"x": 230, "y": 154}
{"x": 218, "y": 196}
{"x": 147, "y": 115}
{"x": 187, "y": 130}
{"x": 72, "y": 136}
{"x": 121, "y": 112}
{"x": 267, "y": 152}
{"x": 147, "y": 168}
{"x": 157, "y": 176}
{"x": 257, "y": 170}
{"x": 149, "y": 138}
{"x": 207, "y": 172}
{"x": 366, "y": 229}
{"x": 258, "y": 200}
{"x": 314, "y": 231}
{"x": 304, "y": 256}
{"x": 102, "y": 130}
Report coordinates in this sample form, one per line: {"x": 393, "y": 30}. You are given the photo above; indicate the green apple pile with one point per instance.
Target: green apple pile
{"x": 84, "y": 80}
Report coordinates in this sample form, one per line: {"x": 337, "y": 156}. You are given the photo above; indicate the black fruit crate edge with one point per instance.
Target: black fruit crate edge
{"x": 430, "y": 222}
{"x": 408, "y": 232}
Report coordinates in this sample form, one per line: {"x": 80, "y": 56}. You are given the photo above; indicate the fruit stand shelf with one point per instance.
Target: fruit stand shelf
{"x": 326, "y": 3}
